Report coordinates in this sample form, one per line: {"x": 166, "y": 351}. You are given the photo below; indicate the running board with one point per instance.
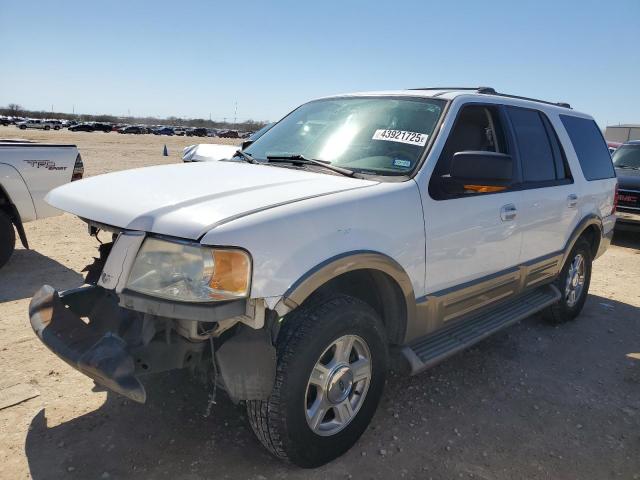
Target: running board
{"x": 433, "y": 348}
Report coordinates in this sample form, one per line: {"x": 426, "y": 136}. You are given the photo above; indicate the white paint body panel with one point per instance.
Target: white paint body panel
{"x": 188, "y": 200}
{"x": 466, "y": 239}
{"x": 289, "y": 241}
{"x": 29, "y": 171}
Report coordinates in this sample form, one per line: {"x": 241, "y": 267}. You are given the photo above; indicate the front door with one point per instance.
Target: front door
{"x": 473, "y": 235}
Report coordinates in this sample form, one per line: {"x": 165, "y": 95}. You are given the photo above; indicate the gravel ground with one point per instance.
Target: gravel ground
{"x": 535, "y": 401}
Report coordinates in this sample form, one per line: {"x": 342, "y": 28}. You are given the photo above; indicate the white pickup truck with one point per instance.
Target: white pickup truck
{"x": 408, "y": 224}
{"x": 28, "y": 171}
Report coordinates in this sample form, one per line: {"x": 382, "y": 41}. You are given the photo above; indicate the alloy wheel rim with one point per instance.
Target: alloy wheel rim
{"x": 575, "y": 281}
{"x": 338, "y": 385}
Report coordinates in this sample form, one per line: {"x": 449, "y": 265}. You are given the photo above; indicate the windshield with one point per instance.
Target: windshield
{"x": 627, "y": 156}
{"x": 383, "y": 136}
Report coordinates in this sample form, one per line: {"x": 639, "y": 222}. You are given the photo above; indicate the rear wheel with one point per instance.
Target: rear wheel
{"x": 573, "y": 284}
{"x": 332, "y": 360}
{"x": 7, "y": 238}
{"x": 47, "y": 127}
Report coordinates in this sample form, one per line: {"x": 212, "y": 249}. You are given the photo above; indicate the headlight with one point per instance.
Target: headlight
{"x": 190, "y": 272}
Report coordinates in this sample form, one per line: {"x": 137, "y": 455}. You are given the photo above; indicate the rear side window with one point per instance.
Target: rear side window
{"x": 534, "y": 145}
{"x": 590, "y": 147}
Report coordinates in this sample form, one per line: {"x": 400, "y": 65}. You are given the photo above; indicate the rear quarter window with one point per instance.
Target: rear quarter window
{"x": 590, "y": 147}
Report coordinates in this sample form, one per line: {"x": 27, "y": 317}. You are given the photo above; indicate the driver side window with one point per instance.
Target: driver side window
{"x": 477, "y": 128}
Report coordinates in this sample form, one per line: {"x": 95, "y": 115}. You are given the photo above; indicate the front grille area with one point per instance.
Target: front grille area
{"x": 629, "y": 199}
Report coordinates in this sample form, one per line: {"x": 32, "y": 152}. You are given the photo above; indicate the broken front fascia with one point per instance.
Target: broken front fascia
{"x": 114, "y": 277}
{"x": 113, "y": 335}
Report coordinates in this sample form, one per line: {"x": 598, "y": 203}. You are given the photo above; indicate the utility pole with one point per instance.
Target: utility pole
{"x": 235, "y": 114}
{"x": 73, "y": 108}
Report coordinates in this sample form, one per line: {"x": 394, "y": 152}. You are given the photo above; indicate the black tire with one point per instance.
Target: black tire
{"x": 280, "y": 422}
{"x": 47, "y": 128}
{"x": 564, "y": 311}
{"x": 22, "y": 127}
{"x": 7, "y": 239}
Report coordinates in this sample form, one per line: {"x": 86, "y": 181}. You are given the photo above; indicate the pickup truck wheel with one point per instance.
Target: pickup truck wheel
{"x": 47, "y": 128}
{"x": 7, "y": 238}
{"x": 332, "y": 362}
{"x": 573, "y": 284}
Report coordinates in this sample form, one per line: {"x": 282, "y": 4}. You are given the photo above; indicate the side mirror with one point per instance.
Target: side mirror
{"x": 489, "y": 169}
{"x": 246, "y": 144}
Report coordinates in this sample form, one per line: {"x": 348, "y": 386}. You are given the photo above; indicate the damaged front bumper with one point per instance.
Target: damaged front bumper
{"x": 112, "y": 345}
{"x": 114, "y": 339}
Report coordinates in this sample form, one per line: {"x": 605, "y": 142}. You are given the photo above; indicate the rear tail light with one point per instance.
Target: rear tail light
{"x": 78, "y": 169}
{"x": 615, "y": 200}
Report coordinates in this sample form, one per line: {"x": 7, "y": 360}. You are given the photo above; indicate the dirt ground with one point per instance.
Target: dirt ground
{"x": 533, "y": 402}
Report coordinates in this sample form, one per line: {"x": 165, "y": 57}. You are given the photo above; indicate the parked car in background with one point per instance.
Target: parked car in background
{"x": 613, "y": 146}
{"x": 197, "y": 132}
{"x": 102, "y": 127}
{"x": 299, "y": 267}
{"x": 228, "y": 134}
{"x": 34, "y": 123}
{"x": 163, "y": 131}
{"x": 133, "y": 129}
{"x": 82, "y": 127}
{"x": 4, "y": 121}
{"x": 28, "y": 171}
{"x": 55, "y": 124}
{"x": 626, "y": 160}
{"x": 179, "y": 131}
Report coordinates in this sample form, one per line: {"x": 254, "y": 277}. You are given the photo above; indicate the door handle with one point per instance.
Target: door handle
{"x": 572, "y": 200}
{"x": 508, "y": 212}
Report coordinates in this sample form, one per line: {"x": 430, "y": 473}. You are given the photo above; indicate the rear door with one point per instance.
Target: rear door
{"x": 548, "y": 205}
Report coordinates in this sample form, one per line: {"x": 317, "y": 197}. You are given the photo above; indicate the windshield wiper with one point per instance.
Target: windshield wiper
{"x": 297, "y": 158}
{"x": 245, "y": 156}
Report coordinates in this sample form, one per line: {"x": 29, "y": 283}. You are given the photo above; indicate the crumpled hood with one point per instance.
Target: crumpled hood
{"x": 188, "y": 200}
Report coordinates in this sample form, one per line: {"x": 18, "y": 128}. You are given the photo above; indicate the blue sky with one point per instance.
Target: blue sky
{"x": 195, "y": 58}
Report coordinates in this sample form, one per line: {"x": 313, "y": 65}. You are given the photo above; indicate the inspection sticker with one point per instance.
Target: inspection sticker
{"x": 402, "y": 136}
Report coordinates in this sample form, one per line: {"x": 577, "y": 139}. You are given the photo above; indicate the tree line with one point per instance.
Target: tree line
{"x": 16, "y": 110}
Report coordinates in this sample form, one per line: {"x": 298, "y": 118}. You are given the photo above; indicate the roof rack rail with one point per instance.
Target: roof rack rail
{"x": 517, "y": 97}
{"x": 452, "y": 88}
{"x": 492, "y": 91}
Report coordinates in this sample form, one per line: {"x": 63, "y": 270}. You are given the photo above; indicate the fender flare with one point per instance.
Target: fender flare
{"x": 586, "y": 222}
{"x": 343, "y": 263}
{"x": 14, "y": 189}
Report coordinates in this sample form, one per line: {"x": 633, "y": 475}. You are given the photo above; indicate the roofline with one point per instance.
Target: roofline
{"x": 492, "y": 91}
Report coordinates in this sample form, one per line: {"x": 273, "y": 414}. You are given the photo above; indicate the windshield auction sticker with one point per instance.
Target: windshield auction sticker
{"x": 402, "y": 136}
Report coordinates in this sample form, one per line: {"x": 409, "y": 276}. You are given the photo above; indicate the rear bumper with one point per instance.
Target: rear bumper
{"x": 92, "y": 348}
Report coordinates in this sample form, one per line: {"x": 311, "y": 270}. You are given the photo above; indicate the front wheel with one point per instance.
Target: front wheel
{"x": 332, "y": 361}
{"x": 47, "y": 128}
{"x": 573, "y": 284}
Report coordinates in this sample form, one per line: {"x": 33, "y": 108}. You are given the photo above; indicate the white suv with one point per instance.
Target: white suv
{"x": 360, "y": 227}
